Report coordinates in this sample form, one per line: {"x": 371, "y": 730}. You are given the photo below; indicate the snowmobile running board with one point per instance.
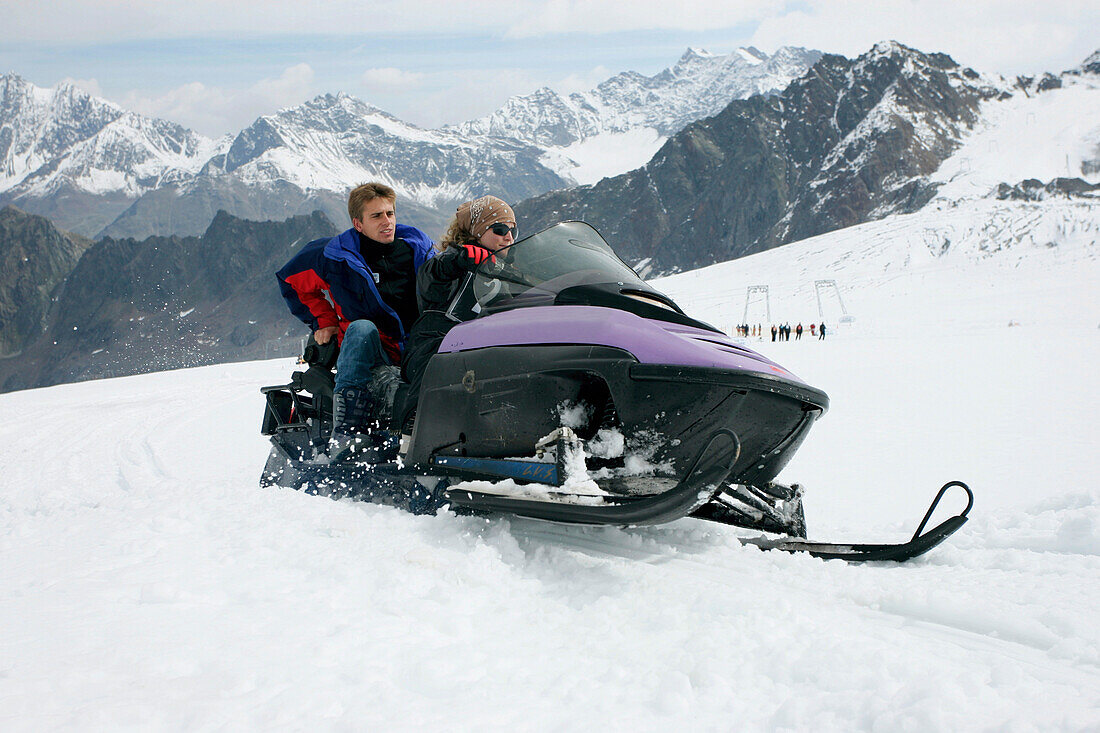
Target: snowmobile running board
{"x": 918, "y": 545}
{"x": 710, "y": 468}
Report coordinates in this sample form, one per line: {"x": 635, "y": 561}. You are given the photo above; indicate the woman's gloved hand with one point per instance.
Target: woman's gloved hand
{"x": 465, "y": 259}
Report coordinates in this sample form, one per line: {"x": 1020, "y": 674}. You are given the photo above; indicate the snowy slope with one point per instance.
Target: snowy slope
{"x": 932, "y": 296}
{"x": 954, "y": 265}
{"x": 148, "y": 583}
{"x": 1043, "y": 135}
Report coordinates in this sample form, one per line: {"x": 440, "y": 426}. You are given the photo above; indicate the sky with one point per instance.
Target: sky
{"x": 216, "y": 66}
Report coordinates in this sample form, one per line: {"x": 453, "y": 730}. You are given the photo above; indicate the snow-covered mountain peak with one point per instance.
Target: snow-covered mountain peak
{"x": 892, "y": 52}
{"x": 544, "y": 93}
{"x": 15, "y": 91}
{"x": 754, "y": 55}
{"x": 701, "y": 61}
{"x": 692, "y": 54}
{"x": 63, "y": 138}
{"x": 892, "y": 49}
{"x": 332, "y": 106}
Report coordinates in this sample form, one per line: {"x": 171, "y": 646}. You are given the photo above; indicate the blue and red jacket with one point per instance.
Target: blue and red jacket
{"x": 334, "y": 267}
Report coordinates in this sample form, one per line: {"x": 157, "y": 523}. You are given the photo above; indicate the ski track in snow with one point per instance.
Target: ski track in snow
{"x": 147, "y": 582}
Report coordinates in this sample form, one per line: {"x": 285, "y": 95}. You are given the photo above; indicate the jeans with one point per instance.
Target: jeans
{"x": 360, "y": 352}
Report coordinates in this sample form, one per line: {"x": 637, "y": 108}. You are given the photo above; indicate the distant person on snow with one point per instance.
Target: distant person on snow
{"x": 369, "y": 275}
{"x": 444, "y": 287}
{"x": 798, "y": 332}
{"x": 821, "y": 331}
{"x": 775, "y": 332}
{"x": 813, "y": 332}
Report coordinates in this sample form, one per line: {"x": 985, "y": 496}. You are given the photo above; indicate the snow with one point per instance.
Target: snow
{"x": 1043, "y": 135}
{"x": 604, "y": 155}
{"x": 749, "y": 56}
{"x": 148, "y": 582}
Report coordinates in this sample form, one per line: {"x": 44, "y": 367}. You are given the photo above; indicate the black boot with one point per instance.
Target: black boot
{"x": 351, "y": 410}
{"x": 356, "y": 435}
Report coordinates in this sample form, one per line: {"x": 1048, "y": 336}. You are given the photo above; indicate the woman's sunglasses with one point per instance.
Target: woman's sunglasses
{"x": 502, "y": 230}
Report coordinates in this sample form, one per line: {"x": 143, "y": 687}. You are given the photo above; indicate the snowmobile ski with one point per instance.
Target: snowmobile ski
{"x": 921, "y": 542}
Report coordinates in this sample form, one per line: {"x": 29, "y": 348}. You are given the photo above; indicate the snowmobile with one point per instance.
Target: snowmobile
{"x": 578, "y": 393}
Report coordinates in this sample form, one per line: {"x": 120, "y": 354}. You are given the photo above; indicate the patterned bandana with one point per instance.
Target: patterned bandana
{"x": 478, "y": 215}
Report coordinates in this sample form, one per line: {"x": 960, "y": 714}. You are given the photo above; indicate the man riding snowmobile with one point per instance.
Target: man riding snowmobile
{"x": 358, "y": 289}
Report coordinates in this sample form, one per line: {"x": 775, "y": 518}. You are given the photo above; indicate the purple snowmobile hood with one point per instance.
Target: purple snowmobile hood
{"x": 651, "y": 342}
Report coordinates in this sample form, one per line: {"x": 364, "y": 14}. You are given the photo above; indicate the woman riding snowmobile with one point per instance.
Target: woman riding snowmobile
{"x": 479, "y": 229}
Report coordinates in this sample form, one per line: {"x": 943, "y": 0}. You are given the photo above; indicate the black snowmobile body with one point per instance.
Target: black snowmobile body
{"x": 572, "y": 356}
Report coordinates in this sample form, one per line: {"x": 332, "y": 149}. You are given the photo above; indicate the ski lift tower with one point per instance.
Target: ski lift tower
{"x": 826, "y": 285}
{"x": 748, "y": 298}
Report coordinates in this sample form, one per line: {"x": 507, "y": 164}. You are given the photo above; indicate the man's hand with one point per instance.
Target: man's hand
{"x": 326, "y": 334}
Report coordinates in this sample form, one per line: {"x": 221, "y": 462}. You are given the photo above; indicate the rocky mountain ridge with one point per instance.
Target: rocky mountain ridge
{"x": 35, "y": 259}
{"x": 130, "y": 306}
{"x": 698, "y": 85}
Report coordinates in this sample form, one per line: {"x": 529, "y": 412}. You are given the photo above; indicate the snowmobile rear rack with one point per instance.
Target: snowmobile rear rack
{"x": 921, "y": 542}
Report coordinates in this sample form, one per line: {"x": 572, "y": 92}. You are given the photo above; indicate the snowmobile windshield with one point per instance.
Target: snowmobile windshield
{"x": 533, "y": 271}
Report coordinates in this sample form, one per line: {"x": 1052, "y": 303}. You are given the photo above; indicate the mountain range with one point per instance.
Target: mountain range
{"x": 99, "y": 170}
{"x": 852, "y": 140}
{"x": 893, "y": 131}
{"x": 81, "y": 160}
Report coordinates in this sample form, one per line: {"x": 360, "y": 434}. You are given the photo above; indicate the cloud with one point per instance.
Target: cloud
{"x": 91, "y": 86}
{"x": 293, "y": 86}
{"x": 390, "y": 78}
{"x": 449, "y": 98}
{"x": 598, "y": 16}
{"x": 989, "y": 35}
{"x": 94, "y": 21}
{"x": 583, "y": 82}
{"x": 211, "y": 110}
{"x": 89, "y": 21}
